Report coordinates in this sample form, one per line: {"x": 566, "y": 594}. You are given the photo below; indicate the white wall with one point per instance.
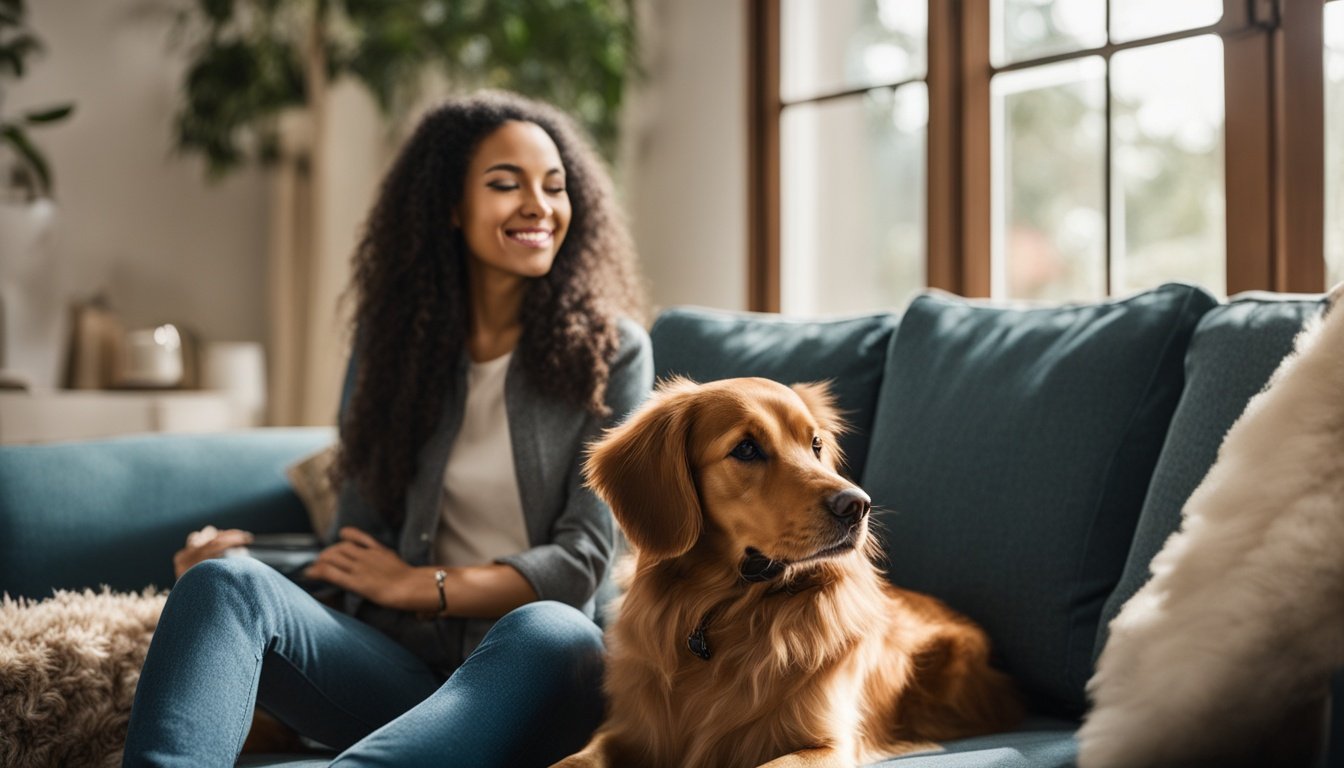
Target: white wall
{"x": 142, "y": 224}
{"x": 685, "y": 166}
{"x": 133, "y": 218}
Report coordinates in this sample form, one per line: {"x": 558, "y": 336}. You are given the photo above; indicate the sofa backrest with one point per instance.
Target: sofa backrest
{"x": 1030, "y": 462}
{"x": 707, "y": 345}
{"x": 1235, "y": 348}
{"x": 83, "y": 514}
{"x": 1010, "y": 457}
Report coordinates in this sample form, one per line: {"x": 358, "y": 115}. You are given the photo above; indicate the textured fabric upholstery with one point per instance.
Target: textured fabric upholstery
{"x": 706, "y": 345}
{"x": 113, "y": 512}
{"x": 1010, "y": 456}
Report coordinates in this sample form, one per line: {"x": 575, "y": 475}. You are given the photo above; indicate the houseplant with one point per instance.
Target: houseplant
{"x": 27, "y": 176}
{"x": 29, "y": 316}
{"x": 252, "y": 60}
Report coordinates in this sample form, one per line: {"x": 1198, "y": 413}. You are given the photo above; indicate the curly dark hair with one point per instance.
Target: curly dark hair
{"x": 412, "y": 304}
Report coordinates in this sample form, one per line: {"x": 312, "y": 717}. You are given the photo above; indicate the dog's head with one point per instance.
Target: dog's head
{"x": 749, "y": 464}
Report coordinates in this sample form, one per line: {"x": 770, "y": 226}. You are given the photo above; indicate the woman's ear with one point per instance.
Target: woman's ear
{"x": 642, "y": 469}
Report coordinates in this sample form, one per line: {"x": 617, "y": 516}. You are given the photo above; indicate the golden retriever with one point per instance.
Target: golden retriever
{"x": 755, "y": 628}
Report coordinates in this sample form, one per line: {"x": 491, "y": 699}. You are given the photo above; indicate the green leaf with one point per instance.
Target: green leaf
{"x": 16, "y": 49}
{"x": 13, "y": 9}
{"x": 50, "y": 114}
{"x": 11, "y": 61}
{"x": 18, "y": 140}
{"x": 217, "y": 11}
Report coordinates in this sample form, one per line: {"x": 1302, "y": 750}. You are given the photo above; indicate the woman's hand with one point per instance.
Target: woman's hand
{"x": 207, "y": 543}
{"x": 359, "y": 563}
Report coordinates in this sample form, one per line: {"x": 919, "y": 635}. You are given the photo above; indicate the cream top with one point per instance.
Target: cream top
{"x": 481, "y": 515}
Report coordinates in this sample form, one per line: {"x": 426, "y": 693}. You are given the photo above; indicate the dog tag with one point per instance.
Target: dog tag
{"x": 697, "y": 643}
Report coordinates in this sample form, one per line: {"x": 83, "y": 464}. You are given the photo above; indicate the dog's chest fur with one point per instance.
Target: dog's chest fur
{"x": 782, "y": 657}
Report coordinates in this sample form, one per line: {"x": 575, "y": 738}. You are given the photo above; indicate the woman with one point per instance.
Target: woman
{"x": 493, "y": 283}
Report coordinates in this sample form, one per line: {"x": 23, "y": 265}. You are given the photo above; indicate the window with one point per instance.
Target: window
{"x": 853, "y": 116}
{"x": 1334, "y": 142}
{"x": 1043, "y": 149}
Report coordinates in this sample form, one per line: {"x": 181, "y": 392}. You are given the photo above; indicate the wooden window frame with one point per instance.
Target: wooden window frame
{"x": 1273, "y": 144}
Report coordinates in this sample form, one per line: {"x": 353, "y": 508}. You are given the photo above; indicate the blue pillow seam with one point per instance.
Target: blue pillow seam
{"x": 1068, "y": 673}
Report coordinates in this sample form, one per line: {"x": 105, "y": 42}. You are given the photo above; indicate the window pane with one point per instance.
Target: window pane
{"x": 1026, "y": 29}
{"x": 1334, "y": 143}
{"x": 1169, "y": 220}
{"x": 1048, "y": 142}
{"x": 840, "y": 45}
{"x": 1135, "y": 19}
{"x": 852, "y": 200}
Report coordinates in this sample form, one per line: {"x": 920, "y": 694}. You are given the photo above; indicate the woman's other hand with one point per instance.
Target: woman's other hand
{"x": 359, "y": 563}
{"x": 207, "y": 543}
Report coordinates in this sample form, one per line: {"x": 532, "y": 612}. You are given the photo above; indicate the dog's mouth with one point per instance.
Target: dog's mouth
{"x": 758, "y": 566}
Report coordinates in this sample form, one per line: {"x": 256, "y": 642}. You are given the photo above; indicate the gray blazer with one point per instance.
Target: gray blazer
{"x": 570, "y": 530}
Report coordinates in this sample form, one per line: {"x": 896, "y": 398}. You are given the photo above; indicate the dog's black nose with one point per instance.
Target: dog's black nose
{"x": 850, "y": 505}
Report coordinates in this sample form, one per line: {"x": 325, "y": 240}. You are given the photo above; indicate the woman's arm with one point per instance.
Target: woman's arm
{"x": 359, "y": 563}
{"x": 571, "y": 565}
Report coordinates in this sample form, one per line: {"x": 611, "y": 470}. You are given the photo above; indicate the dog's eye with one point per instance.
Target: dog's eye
{"x": 816, "y": 446}
{"x": 747, "y": 450}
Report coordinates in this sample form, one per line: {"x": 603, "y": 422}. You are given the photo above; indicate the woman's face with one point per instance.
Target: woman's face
{"x": 514, "y": 211}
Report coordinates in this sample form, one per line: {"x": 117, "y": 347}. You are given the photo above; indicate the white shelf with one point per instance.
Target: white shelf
{"x": 46, "y": 416}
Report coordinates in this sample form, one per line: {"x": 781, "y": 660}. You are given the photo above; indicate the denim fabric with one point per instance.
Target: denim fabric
{"x": 236, "y": 634}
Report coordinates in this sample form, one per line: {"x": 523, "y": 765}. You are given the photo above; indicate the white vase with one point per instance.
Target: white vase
{"x": 32, "y": 317}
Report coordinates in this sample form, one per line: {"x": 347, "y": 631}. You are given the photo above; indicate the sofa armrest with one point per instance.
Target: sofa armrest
{"x": 84, "y": 514}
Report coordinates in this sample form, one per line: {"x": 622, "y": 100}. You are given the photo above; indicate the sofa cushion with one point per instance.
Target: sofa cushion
{"x": 1040, "y": 745}
{"x": 1234, "y": 350}
{"x": 1011, "y": 452}
{"x": 706, "y": 345}
{"x": 116, "y": 510}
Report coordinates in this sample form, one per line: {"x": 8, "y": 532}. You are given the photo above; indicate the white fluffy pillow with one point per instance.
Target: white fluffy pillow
{"x": 1234, "y": 637}
{"x": 68, "y": 670}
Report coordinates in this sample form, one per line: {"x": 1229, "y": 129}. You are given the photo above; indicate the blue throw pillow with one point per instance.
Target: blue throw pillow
{"x": 1011, "y": 452}
{"x": 706, "y": 345}
{"x": 1234, "y": 350}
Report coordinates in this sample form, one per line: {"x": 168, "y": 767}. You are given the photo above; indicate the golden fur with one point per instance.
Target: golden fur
{"x": 823, "y": 664}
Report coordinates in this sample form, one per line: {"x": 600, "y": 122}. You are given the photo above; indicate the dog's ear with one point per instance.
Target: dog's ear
{"x": 642, "y": 469}
{"x": 816, "y": 395}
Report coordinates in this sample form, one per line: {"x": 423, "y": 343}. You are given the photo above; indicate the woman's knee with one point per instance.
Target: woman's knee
{"x": 227, "y": 580}
{"x": 551, "y": 632}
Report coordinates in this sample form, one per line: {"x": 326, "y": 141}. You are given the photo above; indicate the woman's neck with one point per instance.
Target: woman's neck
{"x": 496, "y": 322}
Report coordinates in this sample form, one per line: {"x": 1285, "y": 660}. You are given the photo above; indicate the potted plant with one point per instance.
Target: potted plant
{"x": 29, "y": 313}
{"x": 251, "y": 61}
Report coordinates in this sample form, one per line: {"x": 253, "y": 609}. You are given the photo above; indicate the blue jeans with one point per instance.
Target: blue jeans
{"x": 235, "y": 634}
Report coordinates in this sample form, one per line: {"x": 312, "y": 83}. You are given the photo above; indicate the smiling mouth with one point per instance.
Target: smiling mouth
{"x": 532, "y": 238}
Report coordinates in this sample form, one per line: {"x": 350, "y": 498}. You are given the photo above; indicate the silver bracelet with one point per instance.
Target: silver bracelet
{"x": 439, "y": 576}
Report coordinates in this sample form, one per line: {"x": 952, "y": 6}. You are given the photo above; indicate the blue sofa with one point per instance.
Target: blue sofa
{"x": 1026, "y": 465}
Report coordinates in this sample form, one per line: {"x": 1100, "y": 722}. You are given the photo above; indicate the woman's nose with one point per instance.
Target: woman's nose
{"x": 535, "y": 205}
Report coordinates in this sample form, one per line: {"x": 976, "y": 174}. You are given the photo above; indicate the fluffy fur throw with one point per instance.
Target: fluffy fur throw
{"x": 1235, "y": 634}
{"x": 68, "y": 669}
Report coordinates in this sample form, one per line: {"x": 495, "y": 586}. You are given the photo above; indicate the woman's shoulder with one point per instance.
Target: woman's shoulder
{"x": 632, "y": 369}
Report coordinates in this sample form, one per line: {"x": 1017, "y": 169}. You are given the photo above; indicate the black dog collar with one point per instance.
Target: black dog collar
{"x": 757, "y": 568}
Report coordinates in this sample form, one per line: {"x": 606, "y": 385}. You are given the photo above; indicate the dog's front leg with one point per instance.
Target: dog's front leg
{"x": 818, "y": 757}
{"x": 596, "y": 755}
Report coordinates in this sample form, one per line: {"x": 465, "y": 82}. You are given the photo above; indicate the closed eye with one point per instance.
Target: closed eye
{"x": 747, "y": 450}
